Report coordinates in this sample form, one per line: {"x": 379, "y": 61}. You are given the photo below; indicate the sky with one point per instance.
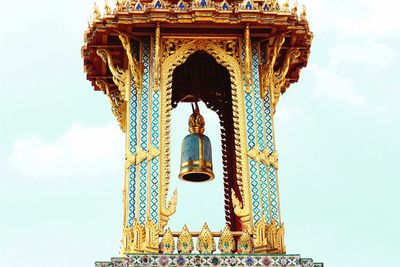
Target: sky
{"x": 337, "y": 133}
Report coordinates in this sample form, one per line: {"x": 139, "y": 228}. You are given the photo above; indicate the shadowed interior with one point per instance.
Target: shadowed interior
{"x": 202, "y": 78}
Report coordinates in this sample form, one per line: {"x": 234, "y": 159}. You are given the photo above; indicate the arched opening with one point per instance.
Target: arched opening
{"x": 202, "y": 78}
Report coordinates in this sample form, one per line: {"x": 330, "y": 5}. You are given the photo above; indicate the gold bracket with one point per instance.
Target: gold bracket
{"x": 120, "y": 76}
{"x": 135, "y": 67}
{"x": 275, "y": 80}
{"x": 118, "y": 106}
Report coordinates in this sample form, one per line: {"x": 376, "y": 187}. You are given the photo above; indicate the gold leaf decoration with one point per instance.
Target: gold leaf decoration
{"x": 167, "y": 242}
{"x": 226, "y": 242}
{"x": 245, "y": 246}
{"x": 205, "y": 242}
{"x": 185, "y": 241}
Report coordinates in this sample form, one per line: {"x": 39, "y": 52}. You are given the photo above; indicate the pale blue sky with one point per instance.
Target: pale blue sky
{"x": 337, "y": 130}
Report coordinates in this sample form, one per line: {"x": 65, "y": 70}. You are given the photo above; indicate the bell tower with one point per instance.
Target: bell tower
{"x": 236, "y": 57}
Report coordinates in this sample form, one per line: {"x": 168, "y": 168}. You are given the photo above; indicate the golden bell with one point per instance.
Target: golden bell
{"x": 196, "y": 159}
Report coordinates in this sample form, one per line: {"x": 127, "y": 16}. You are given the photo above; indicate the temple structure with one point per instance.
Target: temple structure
{"x": 236, "y": 57}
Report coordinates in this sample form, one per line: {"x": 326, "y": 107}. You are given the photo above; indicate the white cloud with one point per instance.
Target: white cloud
{"x": 330, "y": 84}
{"x": 371, "y": 54}
{"x": 80, "y": 150}
{"x": 366, "y": 19}
{"x": 287, "y": 113}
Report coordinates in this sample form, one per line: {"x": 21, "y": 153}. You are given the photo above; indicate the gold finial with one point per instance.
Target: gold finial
{"x": 294, "y": 8}
{"x": 107, "y": 8}
{"x": 96, "y": 13}
{"x": 303, "y": 14}
{"x": 196, "y": 121}
{"x": 285, "y": 6}
{"x": 121, "y": 5}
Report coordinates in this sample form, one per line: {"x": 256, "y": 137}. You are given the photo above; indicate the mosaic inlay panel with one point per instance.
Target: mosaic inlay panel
{"x": 210, "y": 260}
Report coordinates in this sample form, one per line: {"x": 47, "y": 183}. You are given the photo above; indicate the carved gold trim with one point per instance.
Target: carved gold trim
{"x": 157, "y": 58}
{"x": 247, "y": 59}
{"x": 177, "y": 53}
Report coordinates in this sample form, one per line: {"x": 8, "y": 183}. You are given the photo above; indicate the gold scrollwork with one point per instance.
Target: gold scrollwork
{"x": 175, "y": 53}
{"x": 168, "y": 210}
{"x": 205, "y": 242}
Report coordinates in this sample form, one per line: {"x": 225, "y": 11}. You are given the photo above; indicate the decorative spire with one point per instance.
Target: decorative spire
{"x": 294, "y": 8}
{"x": 303, "y": 14}
{"x": 285, "y": 6}
{"x": 96, "y": 12}
{"x": 107, "y": 8}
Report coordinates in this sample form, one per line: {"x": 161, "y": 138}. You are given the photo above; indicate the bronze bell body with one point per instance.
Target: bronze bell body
{"x": 196, "y": 157}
